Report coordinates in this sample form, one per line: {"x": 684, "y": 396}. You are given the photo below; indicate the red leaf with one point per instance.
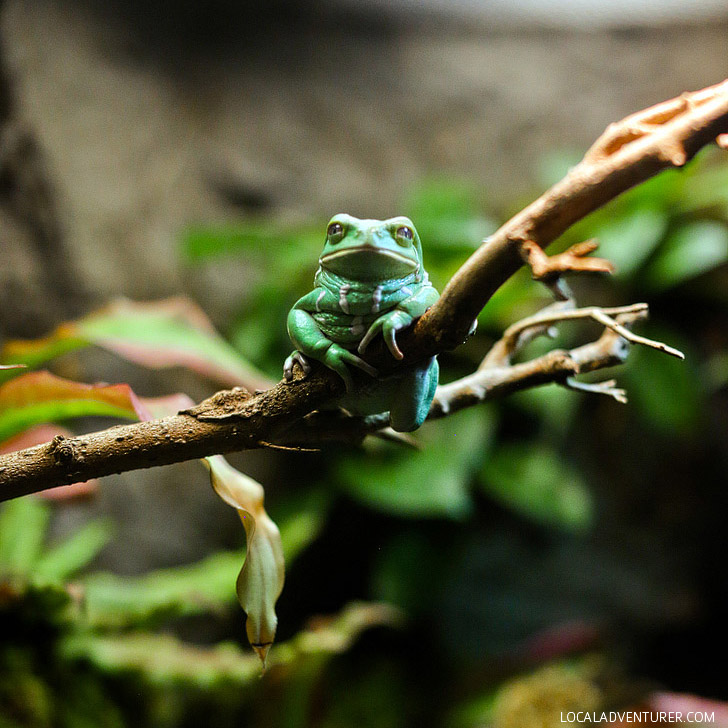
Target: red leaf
{"x": 158, "y": 334}
{"x": 38, "y": 387}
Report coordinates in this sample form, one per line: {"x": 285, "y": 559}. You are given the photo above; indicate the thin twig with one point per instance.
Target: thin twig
{"x": 512, "y": 341}
{"x": 603, "y": 318}
{"x": 497, "y": 376}
{"x": 608, "y": 387}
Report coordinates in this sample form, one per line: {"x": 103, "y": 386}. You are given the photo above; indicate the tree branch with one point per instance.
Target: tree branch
{"x": 629, "y": 152}
{"x": 497, "y": 376}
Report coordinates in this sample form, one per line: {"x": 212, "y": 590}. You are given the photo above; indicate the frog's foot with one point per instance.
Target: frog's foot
{"x": 389, "y": 325}
{"x": 300, "y": 359}
{"x": 410, "y": 411}
{"x": 339, "y": 359}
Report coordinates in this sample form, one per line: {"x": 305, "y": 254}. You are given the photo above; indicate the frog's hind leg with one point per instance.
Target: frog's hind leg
{"x": 413, "y": 398}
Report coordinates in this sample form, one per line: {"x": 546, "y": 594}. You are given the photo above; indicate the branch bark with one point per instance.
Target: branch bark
{"x": 629, "y": 152}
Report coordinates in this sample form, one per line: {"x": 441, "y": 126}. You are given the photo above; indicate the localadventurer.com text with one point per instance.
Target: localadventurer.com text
{"x": 642, "y": 716}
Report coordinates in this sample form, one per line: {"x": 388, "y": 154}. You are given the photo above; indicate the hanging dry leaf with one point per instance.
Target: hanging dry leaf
{"x": 260, "y": 581}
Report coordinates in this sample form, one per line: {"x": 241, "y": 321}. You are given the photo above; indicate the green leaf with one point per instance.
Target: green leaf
{"x": 253, "y": 334}
{"x": 707, "y": 186}
{"x": 716, "y": 370}
{"x": 211, "y": 241}
{"x": 447, "y": 218}
{"x": 667, "y": 393}
{"x": 204, "y": 586}
{"x": 170, "y": 333}
{"x": 403, "y": 572}
{"x": 555, "y": 165}
{"x": 204, "y": 242}
{"x": 35, "y": 352}
{"x": 70, "y": 556}
{"x": 628, "y": 240}
{"x": 163, "y": 659}
{"x": 23, "y": 525}
{"x": 300, "y": 519}
{"x": 555, "y": 406}
{"x": 693, "y": 249}
{"x": 536, "y": 482}
{"x": 166, "y": 660}
{"x": 518, "y": 297}
{"x": 431, "y": 482}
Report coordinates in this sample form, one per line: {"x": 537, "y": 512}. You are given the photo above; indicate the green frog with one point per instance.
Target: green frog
{"x": 370, "y": 280}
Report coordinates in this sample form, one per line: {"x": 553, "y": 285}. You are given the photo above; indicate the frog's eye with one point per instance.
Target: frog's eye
{"x": 404, "y": 234}
{"x": 335, "y": 232}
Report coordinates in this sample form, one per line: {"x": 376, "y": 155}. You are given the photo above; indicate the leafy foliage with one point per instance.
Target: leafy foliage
{"x": 432, "y": 481}
{"x": 536, "y": 482}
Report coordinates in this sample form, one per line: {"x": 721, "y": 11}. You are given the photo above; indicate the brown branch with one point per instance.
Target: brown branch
{"x": 161, "y": 442}
{"x": 497, "y": 376}
{"x": 517, "y": 335}
{"x": 618, "y": 161}
{"x": 669, "y": 134}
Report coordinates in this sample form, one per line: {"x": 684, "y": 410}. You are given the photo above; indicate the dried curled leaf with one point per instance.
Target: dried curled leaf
{"x": 260, "y": 581}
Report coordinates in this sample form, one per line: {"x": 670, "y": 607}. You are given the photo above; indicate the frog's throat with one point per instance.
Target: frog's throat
{"x": 334, "y": 283}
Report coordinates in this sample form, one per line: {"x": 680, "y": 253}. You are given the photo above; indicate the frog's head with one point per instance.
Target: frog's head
{"x": 371, "y": 250}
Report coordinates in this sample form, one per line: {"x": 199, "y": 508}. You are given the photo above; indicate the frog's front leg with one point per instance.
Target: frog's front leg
{"x": 389, "y": 324}
{"x": 400, "y": 317}
{"x": 311, "y": 342}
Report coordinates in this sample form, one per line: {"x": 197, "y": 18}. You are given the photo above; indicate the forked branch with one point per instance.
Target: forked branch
{"x": 498, "y": 376}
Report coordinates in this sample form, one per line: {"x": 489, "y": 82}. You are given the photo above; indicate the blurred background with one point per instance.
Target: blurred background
{"x": 550, "y": 552}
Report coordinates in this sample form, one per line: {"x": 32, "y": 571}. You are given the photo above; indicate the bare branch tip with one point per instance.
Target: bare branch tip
{"x": 287, "y": 448}
{"x": 547, "y": 268}
{"x": 608, "y": 388}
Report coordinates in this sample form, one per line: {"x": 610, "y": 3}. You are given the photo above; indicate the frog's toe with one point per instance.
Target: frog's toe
{"x": 341, "y": 369}
{"x": 374, "y": 329}
{"x": 288, "y": 368}
{"x": 390, "y": 337}
{"x": 359, "y": 363}
{"x": 300, "y": 359}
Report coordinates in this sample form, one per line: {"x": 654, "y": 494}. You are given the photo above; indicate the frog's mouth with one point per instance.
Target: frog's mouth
{"x": 368, "y": 263}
